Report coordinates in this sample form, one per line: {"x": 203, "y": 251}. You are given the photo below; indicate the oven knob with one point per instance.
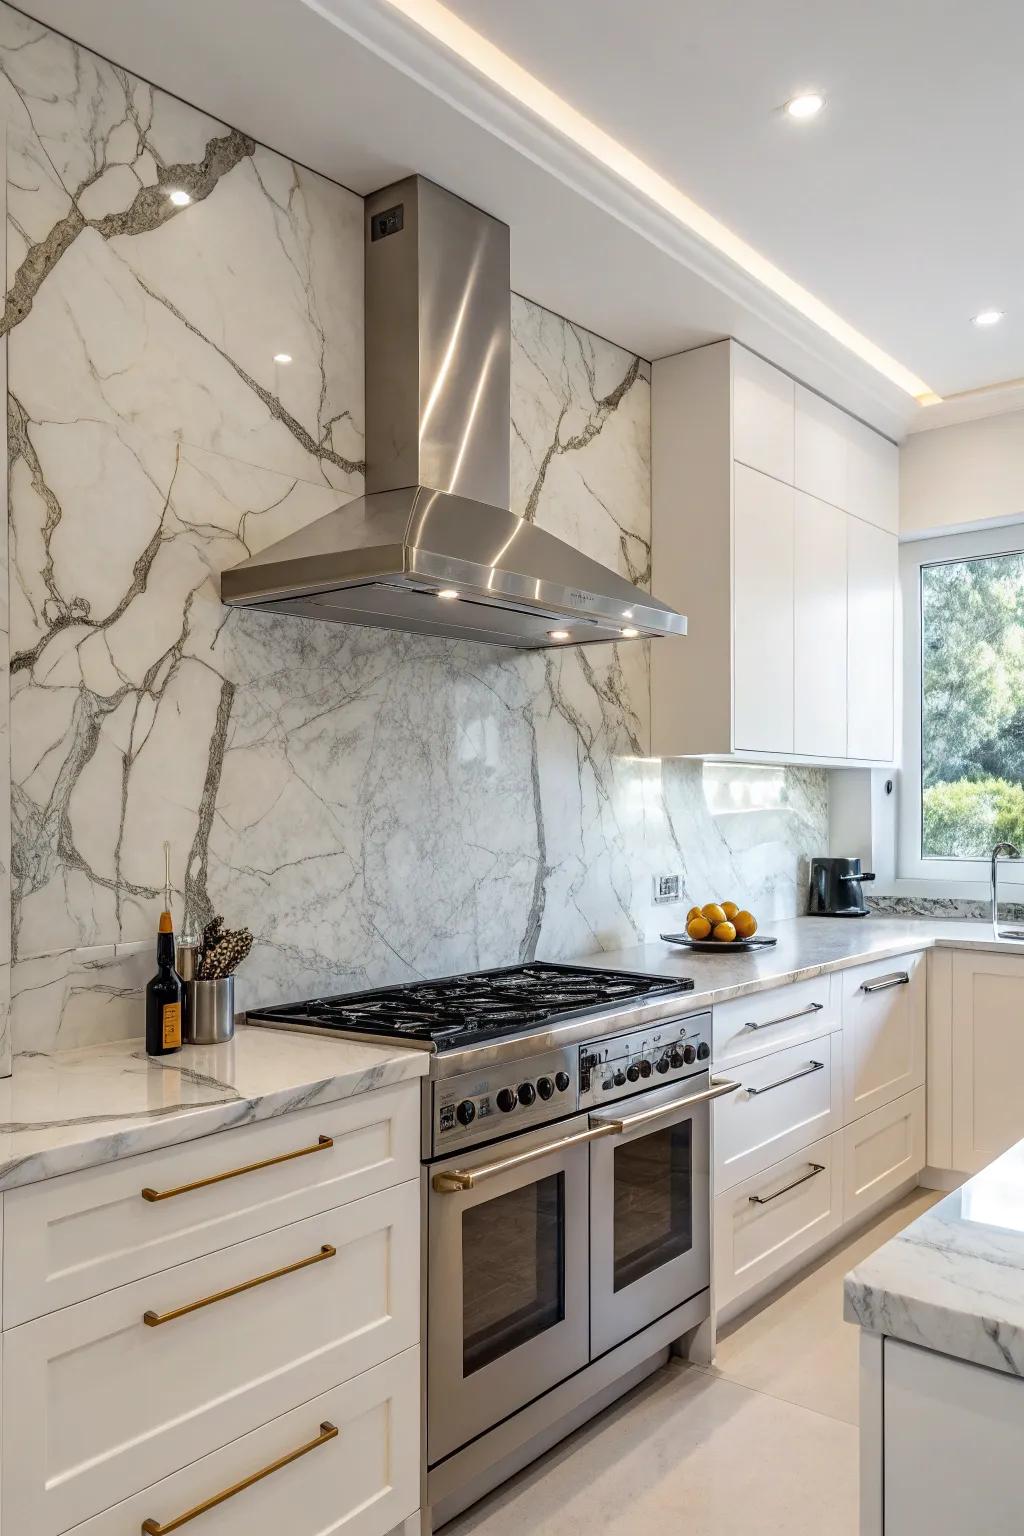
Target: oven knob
{"x": 545, "y": 1087}
{"x": 527, "y": 1093}
{"x": 645, "y": 1068}
{"x": 607, "y": 1084}
{"x": 689, "y": 1054}
{"x": 663, "y": 1064}
{"x": 506, "y": 1099}
{"x": 676, "y": 1059}
{"x": 466, "y": 1112}
{"x": 561, "y": 1081}
{"x": 703, "y": 1051}
{"x": 620, "y": 1078}
{"x": 633, "y": 1072}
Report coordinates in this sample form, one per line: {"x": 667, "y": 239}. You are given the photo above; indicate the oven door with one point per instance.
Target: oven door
{"x": 507, "y": 1284}
{"x": 650, "y": 1208}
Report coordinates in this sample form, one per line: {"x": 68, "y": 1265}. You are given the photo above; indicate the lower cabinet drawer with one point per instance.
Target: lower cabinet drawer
{"x": 769, "y": 1220}
{"x": 107, "y": 1397}
{"x": 787, "y": 1099}
{"x": 882, "y": 1151}
{"x": 746, "y": 1027}
{"x": 358, "y": 1472}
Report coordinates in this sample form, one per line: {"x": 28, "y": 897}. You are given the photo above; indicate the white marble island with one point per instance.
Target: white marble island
{"x": 941, "y": 1308}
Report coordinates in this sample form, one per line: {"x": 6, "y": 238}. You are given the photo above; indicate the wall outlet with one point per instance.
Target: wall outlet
{"x": 667, "y": 888}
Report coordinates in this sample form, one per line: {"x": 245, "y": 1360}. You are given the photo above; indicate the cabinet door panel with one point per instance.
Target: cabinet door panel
{"x": 873, "y": 473}
{"x": 820, "y": 448}
{"x": 819, "y": 727}
{"x": 762, "y": 415}
{"x": 988, "y": 1057}
{"x": 881, "y": 1152}
{"x": 883, "y": 1032}
{"x": 763, "y": 613}
{"x": 871, "y": 672}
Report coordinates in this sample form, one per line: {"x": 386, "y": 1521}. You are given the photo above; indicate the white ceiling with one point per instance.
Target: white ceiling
{"x": 900, "y": 206}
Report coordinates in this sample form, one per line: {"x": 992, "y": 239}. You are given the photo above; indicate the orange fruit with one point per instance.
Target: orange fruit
{"x": 725, "y": 933}
{"x": 698, "y": 927}
{"x": 730, "y": 908}
{"x": 746, "y": 924}
{"x": 693, "y": 912}
{"x": 713, "y": 913}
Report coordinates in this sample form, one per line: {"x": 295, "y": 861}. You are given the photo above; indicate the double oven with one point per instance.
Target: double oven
{"x": 551, "y": 1248}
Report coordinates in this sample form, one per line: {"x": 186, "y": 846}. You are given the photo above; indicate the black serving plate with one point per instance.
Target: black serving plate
{"x": 709, "y": 946}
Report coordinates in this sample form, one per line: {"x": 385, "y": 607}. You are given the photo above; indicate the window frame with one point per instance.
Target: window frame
{"x": 955, "y": 877}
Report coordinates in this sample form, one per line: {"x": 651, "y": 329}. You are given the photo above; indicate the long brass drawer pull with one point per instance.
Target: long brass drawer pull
{"x": 897, "y": 979}
{"x": 812, "y": 1066}
{"x": 154, "y": 1528}
{"x": 157, "y": 1319}
{"x": 815, "y": 1169}
{"x": 324, "y": 1144}
{"x": 785, "y": 1018}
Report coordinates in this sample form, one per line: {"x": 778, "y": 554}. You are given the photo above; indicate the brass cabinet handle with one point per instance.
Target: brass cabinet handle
{"x": 323, "y": 1144}
{"x": 154, "y": 1528}
{"x": 157, "y": 1319}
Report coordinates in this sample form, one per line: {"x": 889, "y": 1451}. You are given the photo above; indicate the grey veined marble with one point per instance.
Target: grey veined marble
{"x": 375, "y": 806}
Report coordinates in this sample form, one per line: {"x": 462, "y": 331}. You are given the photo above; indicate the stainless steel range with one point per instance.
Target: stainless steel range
{"x": 565, "y": 1142}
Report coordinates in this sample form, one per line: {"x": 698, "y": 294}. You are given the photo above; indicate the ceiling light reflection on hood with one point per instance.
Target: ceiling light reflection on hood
{"x": 987, "y": 317}
{"x": 806, "y": 104}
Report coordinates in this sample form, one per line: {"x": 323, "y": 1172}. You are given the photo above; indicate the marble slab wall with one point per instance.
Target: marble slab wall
{"x": 376, "y": 806}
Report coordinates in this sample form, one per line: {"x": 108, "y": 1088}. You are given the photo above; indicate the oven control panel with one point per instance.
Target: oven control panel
{"x": 663, "y": 1053}
{"x": 505, "y": 1098}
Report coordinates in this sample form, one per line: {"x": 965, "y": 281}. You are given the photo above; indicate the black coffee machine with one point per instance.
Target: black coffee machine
{"x": 836, "y": 888}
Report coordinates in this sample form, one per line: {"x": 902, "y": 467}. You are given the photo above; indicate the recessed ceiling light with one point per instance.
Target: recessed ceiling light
{"x": 987, "y": 317}
{"x": 629, "y": 634}
{"x": 282, "y": 357}
{"x": 627, "y": 613}
{"x": 180, "y": 198}
{"x": 448, "y": 593}
{"x": 806, "y": 104}
{"x": 558, "y": 634}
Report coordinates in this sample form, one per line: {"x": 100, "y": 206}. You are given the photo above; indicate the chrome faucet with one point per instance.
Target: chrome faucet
{"x": 1010, "y": 852}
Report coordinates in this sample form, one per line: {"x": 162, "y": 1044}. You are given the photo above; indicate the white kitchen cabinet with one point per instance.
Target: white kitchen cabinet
{"x": 819, "y": 638}
{"x": 884, "y": 1030}
{"x": 820, "y": 448}
{"x": 763, "y": 624}
{"x": 790, "y": 598}
{"x": 762, "y": 415}
{"x": 871, "y": 556}
{"x": 746, "y": 1028}
{"x": 882, "y": 1153}
{"x": 987, "y": 1067}
{"x": 786, "y": 1100}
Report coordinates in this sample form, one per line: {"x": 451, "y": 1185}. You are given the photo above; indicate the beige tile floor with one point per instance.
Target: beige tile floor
{"x": 763, "y": 1443}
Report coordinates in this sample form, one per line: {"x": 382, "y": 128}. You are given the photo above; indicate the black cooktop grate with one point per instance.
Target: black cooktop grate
{"x": 459, "y": 1010}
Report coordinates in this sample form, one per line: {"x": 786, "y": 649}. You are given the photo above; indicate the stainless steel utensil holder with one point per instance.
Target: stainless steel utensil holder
{"x": 210, "y": 1014}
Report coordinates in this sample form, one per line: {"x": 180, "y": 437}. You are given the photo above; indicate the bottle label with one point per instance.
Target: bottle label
{"x": 172, "y": 1025}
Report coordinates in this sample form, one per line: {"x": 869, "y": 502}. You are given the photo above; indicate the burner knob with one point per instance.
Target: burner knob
{"x": 703, "y": 1051}
{"x": 527, "y": 1093}
{"x": 633, "y": 1072}
{"x": 466, "y": 1112}
{"x": 663, "y": 1064}
{"x": 506, "y": 1099}
{"x": 689, "y": 1054}
{"x": 545, "y": 1087}
{"x": 620, "y": 1078}
{"x": 561, "y": 1081}
{"x": 676, "y": 1059}
{"x": 645, "y": 1068}
{"x": 607, "y": 1084}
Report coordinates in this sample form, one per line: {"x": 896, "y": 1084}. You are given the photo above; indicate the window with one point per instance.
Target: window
{"x": 963, "y": 781}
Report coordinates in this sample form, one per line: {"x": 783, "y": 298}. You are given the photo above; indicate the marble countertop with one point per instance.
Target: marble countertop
{"x": 75, "y": 1109}
{"x": 808, "y": 946}
{"x": 953, "y": 1281}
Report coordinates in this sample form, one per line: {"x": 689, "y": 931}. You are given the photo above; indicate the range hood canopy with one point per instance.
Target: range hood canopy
{"x": 433, "y": 547}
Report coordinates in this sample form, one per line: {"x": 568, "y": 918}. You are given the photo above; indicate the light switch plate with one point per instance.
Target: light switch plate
{"x": 667, "y": 888}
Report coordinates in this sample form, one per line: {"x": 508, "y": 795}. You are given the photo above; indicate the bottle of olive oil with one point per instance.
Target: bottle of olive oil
{"x": 165, "y": 994}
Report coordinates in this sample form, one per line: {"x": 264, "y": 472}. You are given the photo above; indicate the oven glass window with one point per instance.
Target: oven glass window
{"x": 513, "y": 1270}
{"x": 653, "y": 1202}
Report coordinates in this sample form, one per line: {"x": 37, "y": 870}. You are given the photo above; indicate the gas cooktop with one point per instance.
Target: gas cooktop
{"x": 480, "y": 1005}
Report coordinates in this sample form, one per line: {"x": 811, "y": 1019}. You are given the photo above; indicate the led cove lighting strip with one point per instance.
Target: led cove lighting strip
{"x": 503, "y": 71}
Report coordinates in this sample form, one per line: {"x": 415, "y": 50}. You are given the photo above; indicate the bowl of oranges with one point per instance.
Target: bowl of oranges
{"x": 719, "y": 925}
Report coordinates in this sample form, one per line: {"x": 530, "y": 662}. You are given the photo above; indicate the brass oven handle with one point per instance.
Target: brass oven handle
{"x": 324, "y": 1144}
{"x": 897, "y": 979}
{"x": 154, "y": 1528}
{"x": 812, "y": 1066}
{"x": 815, "y": 1169}
{"x": 157, "y": 1319}
{"x": 784, "y": 1018}
{"x": 459, "y": 1179}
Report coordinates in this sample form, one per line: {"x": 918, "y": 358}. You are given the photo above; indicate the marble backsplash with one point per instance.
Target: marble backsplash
{"x": 376, "y": 806}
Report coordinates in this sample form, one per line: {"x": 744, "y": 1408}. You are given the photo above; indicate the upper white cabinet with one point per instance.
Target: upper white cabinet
{"x": 774, "y": 531}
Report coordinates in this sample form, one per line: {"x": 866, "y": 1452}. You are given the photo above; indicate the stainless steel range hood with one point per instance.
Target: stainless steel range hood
{"x": 432, "y": 546}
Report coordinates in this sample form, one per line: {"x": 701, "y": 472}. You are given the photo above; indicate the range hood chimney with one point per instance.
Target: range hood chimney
{"x": 432, "y": 546}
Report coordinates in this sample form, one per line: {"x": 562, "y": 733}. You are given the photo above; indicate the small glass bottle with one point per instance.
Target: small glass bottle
{"x": 165, "y": 996}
